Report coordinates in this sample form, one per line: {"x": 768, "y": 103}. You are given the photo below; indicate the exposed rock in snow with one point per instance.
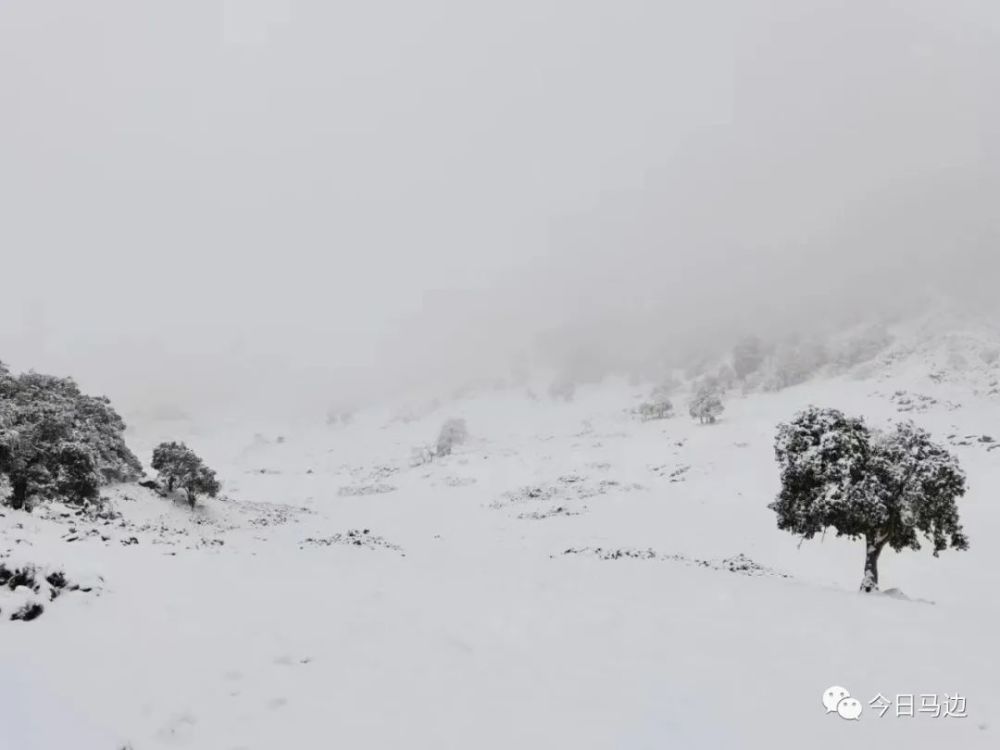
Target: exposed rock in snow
{"x": 739, "y": 563}
{"x": 366, "y": 489}
{"x": 353, "y": 538}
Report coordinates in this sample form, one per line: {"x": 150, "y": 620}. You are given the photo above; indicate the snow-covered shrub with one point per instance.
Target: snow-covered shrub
{"x": 453, "y": 432}
{"x": 339, "y": 416}
{"x": 57, "y": 441}
{"x": 882, "y": 487}
{"x": 706, "y": 404}
{"x": 421, "y": 455}
{"x": 180, "y": 467}
{"x": 25, "y": 589}
{"x": 656, "y": 409}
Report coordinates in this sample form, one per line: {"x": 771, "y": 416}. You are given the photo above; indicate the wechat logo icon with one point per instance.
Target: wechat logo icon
{"x": 838, "y": 700}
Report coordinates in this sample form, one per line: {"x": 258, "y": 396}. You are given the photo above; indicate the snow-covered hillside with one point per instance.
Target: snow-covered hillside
{"x": 571, "y": 577}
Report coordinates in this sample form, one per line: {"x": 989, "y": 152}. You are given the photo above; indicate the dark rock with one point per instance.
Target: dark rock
{"x": 57, "y": 579}
{"x": 23, "y": 577}
{"x": 28, "y": 612}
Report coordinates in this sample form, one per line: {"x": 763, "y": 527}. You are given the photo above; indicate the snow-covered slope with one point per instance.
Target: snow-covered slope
{"x": 571, "y": 577}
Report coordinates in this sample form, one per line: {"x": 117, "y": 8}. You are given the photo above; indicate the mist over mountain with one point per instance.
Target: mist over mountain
{"x": 319, "y": 201}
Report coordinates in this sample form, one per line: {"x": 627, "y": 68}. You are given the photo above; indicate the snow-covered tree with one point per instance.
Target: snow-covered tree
{"x": 706, "y": 404}
{"x": 339, "y": 416}
{"x": 180, "y": 467}
{"x": 77, "y": 477}
{"x": 885, "y": 488}
{"x": 57, "y": 441}
{"x": 169, "y": 460}
{"x": 659, "y": 408}
{"x": 453, "y": 432}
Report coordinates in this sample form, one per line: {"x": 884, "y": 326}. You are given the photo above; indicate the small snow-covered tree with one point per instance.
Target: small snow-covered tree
{"x": 659, "y": 408}
{"x": 180, "y": 467}
{"x": 339, "y": 416}
{"x": 886, "y": 488}
{"x": 453, "y": 432}
{"x": 168, "y": 461}
{"x": 706, "y": 404}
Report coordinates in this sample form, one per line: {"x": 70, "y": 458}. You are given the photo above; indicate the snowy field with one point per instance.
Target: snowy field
{"x": 339, "y": 343}
{"x": 571, "y": 577}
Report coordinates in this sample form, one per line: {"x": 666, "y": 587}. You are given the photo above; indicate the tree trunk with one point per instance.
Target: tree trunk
{"x": 872, "y": 550}
{"x": 190, "y": 495}
{"x": 19, "y": 496}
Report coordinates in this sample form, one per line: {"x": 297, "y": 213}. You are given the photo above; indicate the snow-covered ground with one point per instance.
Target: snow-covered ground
{"x": 571, "y": 577}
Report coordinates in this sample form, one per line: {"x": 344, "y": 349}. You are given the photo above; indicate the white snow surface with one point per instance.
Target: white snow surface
{"x": 459, "y": 622}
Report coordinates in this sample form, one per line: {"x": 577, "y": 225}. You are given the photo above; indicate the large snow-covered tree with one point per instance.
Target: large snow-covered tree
{"x": 57, "y": 441}
{"x": 887, "y": 488}
{"x": 706, "y": 403}
{"x": 180, "y": 467}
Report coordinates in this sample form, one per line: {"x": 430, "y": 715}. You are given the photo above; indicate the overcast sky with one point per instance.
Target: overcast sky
{"x": 315, "y": 195}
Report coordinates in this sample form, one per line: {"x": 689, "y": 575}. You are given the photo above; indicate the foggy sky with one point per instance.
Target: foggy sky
{"x": 206, "y": 202}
